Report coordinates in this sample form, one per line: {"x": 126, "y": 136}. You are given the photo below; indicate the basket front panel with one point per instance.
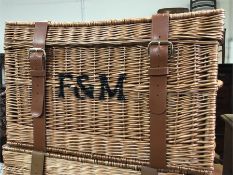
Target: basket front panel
{"x": 113, "y": 126}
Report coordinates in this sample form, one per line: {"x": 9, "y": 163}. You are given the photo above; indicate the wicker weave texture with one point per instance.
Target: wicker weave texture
{"x": 111, "y": 129}
{"x": 18, "y": 162}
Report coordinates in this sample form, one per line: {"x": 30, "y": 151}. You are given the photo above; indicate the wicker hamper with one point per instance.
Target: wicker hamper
{"x": 100, "y": 113}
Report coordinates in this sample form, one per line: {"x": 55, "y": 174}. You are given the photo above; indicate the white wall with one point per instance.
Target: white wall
{"x": 227, "y": 5}
{"x": 88, "y": 10}
{"x": 79, "y": 10}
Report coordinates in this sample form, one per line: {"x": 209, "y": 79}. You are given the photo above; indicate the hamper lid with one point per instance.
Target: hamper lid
{"x": 199, "y": 25}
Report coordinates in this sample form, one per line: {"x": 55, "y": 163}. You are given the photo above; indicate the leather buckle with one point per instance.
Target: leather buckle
{"x": 34, "y": 49}
{"x": 161, "y": 42}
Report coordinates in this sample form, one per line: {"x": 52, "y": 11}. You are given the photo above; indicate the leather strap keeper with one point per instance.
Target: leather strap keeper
{"x": 158, "y": 71}
{"x": 158, "y": 95}
{"x": 38, "y": 72}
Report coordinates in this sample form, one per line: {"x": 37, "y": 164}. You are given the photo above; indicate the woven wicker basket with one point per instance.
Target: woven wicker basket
{"x": 110, "y": 129}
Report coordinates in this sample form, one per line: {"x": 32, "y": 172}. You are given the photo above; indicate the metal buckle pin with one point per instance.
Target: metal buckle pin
{"x": 36, "y": 50}
{"x": 161, "y": 42}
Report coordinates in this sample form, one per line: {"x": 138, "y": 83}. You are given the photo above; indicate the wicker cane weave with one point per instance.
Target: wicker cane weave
{"x": 18, "y": 163}
{"x": 111, "y": 129}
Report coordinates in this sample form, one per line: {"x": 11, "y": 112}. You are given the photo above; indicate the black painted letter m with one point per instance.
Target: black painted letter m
{"x": 118, "y": 91}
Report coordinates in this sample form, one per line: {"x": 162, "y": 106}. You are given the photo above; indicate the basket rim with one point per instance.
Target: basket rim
{"x": 122, "y": 21}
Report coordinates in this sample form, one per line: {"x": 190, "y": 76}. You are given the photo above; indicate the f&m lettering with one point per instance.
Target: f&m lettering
{"x": 83, "y": 90}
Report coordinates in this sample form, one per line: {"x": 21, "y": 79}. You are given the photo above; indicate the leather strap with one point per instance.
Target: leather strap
{"x": 148, "y": 171}
{"x": 37, "y": 167}
{"x": 37, "y": 59}
{"x": 158, "y": 95}
{"x": 37, "y": 63}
